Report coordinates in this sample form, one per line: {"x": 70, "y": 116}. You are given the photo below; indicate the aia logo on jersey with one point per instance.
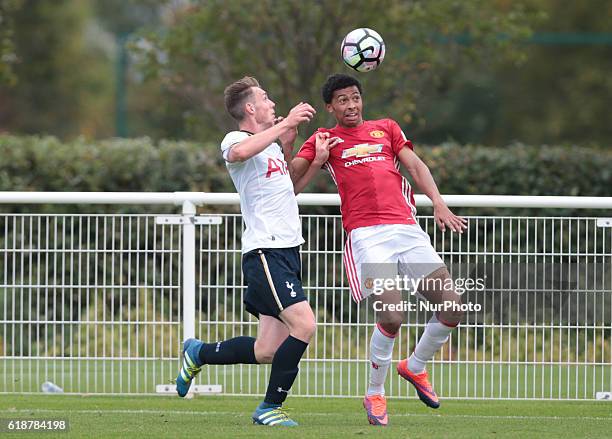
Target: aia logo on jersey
{"x": 276, "y": 165}
{"x": 374, "y": 365}
{"x": 362, "y": 150}
{"x": 377, "y": 134}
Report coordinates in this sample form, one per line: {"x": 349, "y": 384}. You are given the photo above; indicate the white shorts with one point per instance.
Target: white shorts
{"x": 387, "y": 250}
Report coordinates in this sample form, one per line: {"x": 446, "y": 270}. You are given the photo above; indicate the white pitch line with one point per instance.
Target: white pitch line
{"x": 197, "y": 413}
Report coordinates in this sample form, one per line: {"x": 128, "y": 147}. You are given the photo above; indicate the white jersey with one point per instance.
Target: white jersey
{"x": 267, "y": 199}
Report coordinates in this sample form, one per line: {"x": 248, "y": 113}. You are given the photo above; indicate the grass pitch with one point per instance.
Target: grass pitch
{"x": 229, "y": 417}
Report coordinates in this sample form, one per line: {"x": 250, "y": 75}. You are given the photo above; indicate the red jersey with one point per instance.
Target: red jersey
{"x": 365, "y": 167}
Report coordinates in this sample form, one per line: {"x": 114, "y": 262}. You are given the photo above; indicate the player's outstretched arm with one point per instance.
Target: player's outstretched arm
{"x": 256, "y": 143}
{"x": 297, "y": 169}
{"x": 425, "y": 182}
{"x": 323, "y": 145}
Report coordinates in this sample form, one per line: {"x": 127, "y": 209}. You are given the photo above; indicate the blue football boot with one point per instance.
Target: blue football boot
{"x": 274, "y": 415}
{"x": 191, "y": 366}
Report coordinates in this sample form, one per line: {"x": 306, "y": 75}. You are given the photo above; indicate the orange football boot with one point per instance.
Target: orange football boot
{"x": 421, "y": 384}
{"x": 376, "y": 407}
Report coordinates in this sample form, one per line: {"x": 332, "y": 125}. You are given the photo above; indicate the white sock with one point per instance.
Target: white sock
{"x": 381, "y": 351}
{"x": 434, "y": 336}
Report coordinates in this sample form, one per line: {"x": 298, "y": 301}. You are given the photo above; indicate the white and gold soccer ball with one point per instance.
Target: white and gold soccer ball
{"x": 363, "y": 49}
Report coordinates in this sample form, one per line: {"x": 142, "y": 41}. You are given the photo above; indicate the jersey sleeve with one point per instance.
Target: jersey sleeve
{"x": 230, "y": 140}
{"x": 398, "y": 138}
{"x": 308, "y": 151}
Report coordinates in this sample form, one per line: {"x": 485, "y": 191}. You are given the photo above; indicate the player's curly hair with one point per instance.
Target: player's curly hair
{"x": 236, "y": 94}
{"x": 336, "y": 82}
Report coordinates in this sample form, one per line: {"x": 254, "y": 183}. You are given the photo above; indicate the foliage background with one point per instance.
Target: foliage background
{"x": 490, "y": 72}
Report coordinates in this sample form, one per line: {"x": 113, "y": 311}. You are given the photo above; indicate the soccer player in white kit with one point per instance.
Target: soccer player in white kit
{"x": 270, "y": 248}
{"x": 379, "y": 216}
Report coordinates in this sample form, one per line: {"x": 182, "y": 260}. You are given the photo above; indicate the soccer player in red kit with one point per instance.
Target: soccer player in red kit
{"x": 378, "y": 215}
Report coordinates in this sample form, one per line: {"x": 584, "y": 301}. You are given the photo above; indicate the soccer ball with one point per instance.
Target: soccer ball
{"x": 363, "y": 49}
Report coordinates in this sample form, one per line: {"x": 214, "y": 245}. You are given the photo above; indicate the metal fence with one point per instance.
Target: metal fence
{"x": 101, "y": 303}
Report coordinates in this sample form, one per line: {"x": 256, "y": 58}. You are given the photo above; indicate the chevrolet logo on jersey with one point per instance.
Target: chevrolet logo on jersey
{"x": 362, "y": 150}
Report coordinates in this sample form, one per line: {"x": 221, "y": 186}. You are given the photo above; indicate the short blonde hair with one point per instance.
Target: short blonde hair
{"x": 236, "y": 94}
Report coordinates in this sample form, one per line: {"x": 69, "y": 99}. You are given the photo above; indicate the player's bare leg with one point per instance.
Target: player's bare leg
{"x": 270, "y": 335}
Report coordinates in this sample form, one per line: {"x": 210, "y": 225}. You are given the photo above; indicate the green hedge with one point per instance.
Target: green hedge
{"x": 32, "y": 163}
{"x": 115, "y": 165}
{"x": 46, "y": 164}
{"x": 520, "y": 170}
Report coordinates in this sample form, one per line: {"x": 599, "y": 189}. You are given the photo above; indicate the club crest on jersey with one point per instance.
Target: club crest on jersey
{"x": 377, "y": 134}
{"x": 290, "y": 287}
{"x": 362, "y": 150}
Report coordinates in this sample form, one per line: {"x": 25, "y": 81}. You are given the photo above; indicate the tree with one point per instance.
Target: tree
{"x": 291, "y": 46}
{"x": 565, "y": 86}
{"x": 559, "y": 94}
{"x": 141, "y": 108}
{"x": 7, "y": 50}
{"x": 64, "y": 77}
